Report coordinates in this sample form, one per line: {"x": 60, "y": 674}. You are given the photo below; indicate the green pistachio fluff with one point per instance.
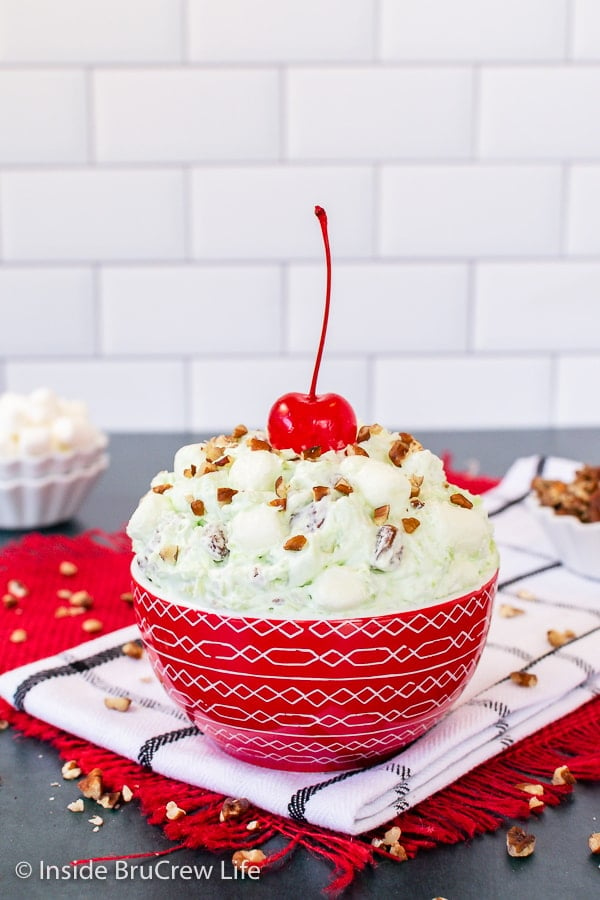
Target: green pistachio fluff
{"x": 240, "y": 527}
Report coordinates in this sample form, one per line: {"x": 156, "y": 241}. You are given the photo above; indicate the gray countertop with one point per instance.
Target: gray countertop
{"x": 34, "y": 828}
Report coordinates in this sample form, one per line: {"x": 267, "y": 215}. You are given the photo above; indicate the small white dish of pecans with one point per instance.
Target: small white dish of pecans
{"x": 569, "y": 514}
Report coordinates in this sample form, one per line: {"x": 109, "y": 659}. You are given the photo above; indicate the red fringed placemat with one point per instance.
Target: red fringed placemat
{"x": 480, "y": 802}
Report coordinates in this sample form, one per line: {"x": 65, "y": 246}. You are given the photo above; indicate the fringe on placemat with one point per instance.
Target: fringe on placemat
{"x": 479, "y": 802}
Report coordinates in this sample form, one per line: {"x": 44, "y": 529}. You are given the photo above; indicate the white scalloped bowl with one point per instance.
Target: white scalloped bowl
{"x": 577, "y": 544}
{"x": 50, "y": 464}
{"x": 29, "y": 502}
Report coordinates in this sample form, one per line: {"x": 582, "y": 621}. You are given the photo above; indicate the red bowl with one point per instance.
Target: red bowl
{"x": 313, "y": 695}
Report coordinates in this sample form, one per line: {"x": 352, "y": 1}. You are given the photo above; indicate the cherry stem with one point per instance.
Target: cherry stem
{"x": 322, "y": 217}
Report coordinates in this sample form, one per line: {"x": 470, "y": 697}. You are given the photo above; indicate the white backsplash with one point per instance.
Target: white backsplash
{"x": 159, "y": 165}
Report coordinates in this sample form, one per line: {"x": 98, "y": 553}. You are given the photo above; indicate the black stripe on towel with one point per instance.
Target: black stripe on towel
{"x": 73, "y": 668}
{"x": 297, "y": 805}
{"x": 150, "y": 747}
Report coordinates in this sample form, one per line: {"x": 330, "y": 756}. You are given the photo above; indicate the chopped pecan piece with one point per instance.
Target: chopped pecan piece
{"x": 320, "y": 491}
{"x": 161, "y": 488}
{"x": 133, "y": 650}
{"x": 213, "y": 452}
{"x": 18, "y": 636}
{"x": 70, "y": 770}
{"x": 562, "y": 775}
{"x": 233, "y": 808}
{"x": 256, "y": 444}
{"x": 401, "y": 447}
{"x": 109, "y": 800}
{"x": 245, "y": 859}
{"x": 560, "y": 638}
{"x": 297, "y": 542}
{"x": 225, "y": 495}
{"x": 197, "y": 507}
{"x": 519, "y": 843}
{"x": 355, "y": 450}
{"x": 594, "y": 842}
{"x": 461, "y": 500}
{"x": 509, "y": 612}
{"x": 281, "y": 487}
{"x": 17, "y": 588}
{"x": 9, "y": 602}
{"x": 415, "y": 485}
{"x": 536, "y": 789}
{"x": 381, "y": 514}
{"x": 312, "y": 453}
{"x": 278, "y": 502}
{"x": 121, "y": 704}
{"x": 92, "y": 626}
{"x": 410, "y": 524}
{"x": 343, "y": 487}
{"x": 91, "y": 785}
{"x": 207, "y": 468}
{"x": 239, "y": 431}
{"x": 174, "y": 812}
{"x": 169, "y": 553}
{"x": 190, "y": 471}
{"x": 76, "y": 806}
{"x": 81, "y": 598}
{"x": 67, "y": 568}
{"x": 524, "y": 679}
{"x": 364, "y": 433}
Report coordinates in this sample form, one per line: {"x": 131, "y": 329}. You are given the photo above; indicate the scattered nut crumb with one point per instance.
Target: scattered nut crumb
{"x": 91, "y": 785}
{"x": 70, "y": 770}
{"x": 97, "y": 821}
{"x": 92, "y": 626}
{"x": 110, "y": 800}
{"x": 18, "y": 636}
{"x": 535, "y": 789}
{"x": 398, "y": 851}
{"x": 253, "y": 825}
{"x": 126, "y": 794}
{"x": 81, "y": 598}
{"x": 233, "y": 808}
{"x": 17, "y": 588}
{"x": 524, "y": 679}
{"x": 132, "y": 649}
{"x": 64, "y": 593}
{"x": 519, "y": 843}
{"x": 76, "y": 806}
{"x": 392, "y": 835}
{"x": 243, "y": 859}
{"x": 594, "y": 842}
{"x": 355, "y": 450}
{"x": 562, "y": 775}
{"x": 560, "y": 638}
{"x": 509, "y": 612}
{"x": 3, "y": 724}
{"x": 524, "y": 594}
{"x": 9, "y": 602}
{"x": 535, "y": 803}
{"x": 121, "y": 704}
{"x": 68, "y": 568}
{"x": 174, "y": 812}
{"x": 127, "y": 597}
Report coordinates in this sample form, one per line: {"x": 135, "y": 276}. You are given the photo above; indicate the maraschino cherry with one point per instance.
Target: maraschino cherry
{"x": 303, "y": 422}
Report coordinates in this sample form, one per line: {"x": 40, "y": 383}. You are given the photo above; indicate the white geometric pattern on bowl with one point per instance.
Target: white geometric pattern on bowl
{"x": 310, "y": 694}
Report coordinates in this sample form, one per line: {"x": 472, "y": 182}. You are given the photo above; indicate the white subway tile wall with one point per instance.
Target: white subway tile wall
{"x": 159, "y": 165}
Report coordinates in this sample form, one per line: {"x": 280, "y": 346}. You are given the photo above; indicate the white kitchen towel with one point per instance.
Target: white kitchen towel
{"x": 68, "y": 691}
